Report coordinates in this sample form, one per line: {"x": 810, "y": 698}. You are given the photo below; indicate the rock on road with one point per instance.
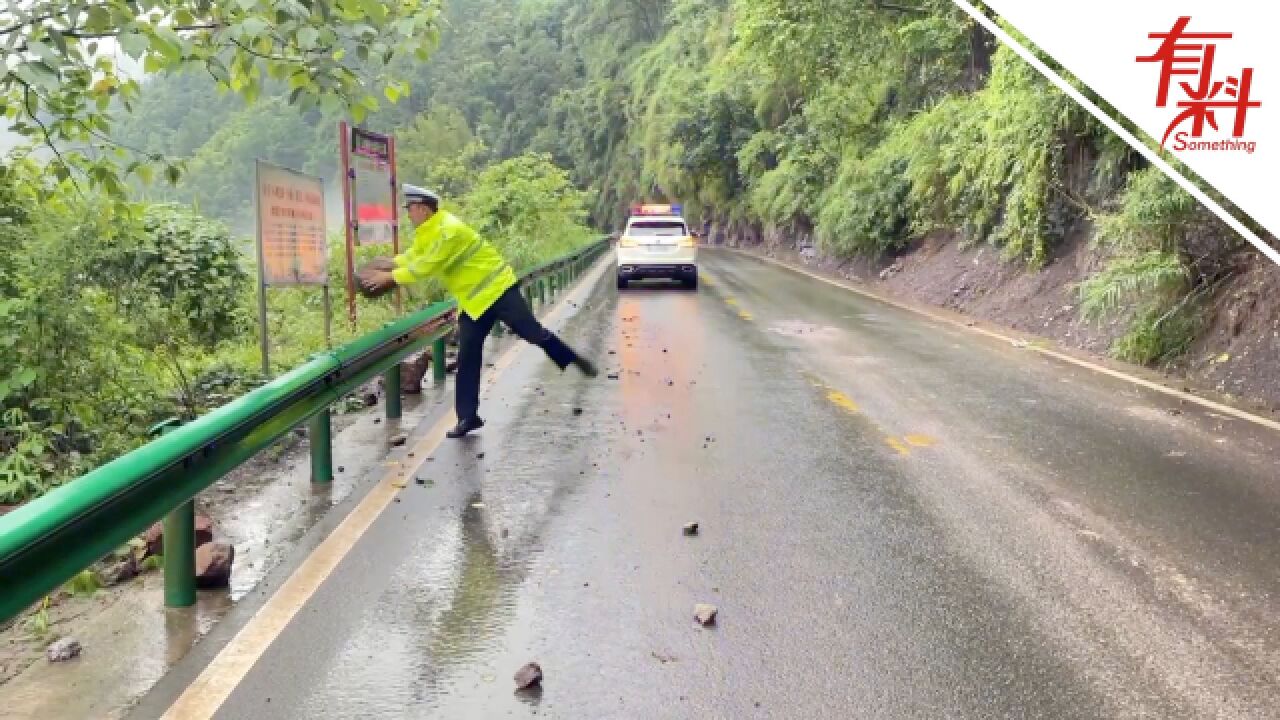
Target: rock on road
{"x": 897, "y": 519}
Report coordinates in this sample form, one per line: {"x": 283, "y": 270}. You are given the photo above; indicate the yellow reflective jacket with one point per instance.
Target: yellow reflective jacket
{"x": 467, "y": 265}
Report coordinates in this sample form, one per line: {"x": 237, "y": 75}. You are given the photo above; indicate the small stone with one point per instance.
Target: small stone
{"x": 577, "y": 411}
{"x": 341, "y": 469}
{"x": 505, "y": 533}
{"x": 63, "y": 650}
{"x": 528, "y": 676}
{"x": 377, "y": 421}
{"x": 613, "y": 376}
{"x": 399, "y": 439}
{"x": 479, "y": 456}
{"x": 213, "y": 564}
{"x": 705, "y": 614}
{"x": 691, "y": 529}
{"x": 370, "y": 399}
{"x": 420, "y": 480}
{"x": 120, "y": 571}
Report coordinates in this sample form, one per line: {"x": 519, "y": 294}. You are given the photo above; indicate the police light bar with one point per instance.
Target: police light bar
{"x": 640, "y": 209}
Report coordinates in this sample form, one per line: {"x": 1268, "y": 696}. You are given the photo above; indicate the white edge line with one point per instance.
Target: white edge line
{"x": 1120, "y": 130}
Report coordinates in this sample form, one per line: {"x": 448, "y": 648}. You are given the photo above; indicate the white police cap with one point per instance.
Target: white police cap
{"x": 413, "y": 192}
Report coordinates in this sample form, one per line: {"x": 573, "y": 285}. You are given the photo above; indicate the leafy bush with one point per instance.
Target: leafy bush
{"x": 529, "y": 209}
{"x": 1147, "y": 280}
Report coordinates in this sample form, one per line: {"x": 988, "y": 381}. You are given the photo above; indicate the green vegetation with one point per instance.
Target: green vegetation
{"x": 124, "y": 301}
{"x": 867, "y": 124}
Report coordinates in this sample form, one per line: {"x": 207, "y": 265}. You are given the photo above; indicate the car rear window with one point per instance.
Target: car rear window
{"x": 656, "y": 228}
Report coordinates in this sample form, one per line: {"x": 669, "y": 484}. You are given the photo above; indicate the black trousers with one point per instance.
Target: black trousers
{"x": 514, "y": 312}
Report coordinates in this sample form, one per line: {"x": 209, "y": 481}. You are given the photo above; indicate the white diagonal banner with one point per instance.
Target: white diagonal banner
{"x": 1202, "y": 78}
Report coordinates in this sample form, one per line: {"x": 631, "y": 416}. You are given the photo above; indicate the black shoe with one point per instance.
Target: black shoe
{"x": 465, "y": 426}
{"x": 587, "y": 367}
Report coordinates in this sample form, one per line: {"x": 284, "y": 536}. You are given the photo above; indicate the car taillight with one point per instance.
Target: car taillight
{"x": 627, "y": 242}
{"x": 688, "y": 241}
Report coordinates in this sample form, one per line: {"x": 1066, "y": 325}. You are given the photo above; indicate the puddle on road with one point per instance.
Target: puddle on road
{"x": 454, "y": 602}
{"x": 794, "y": 328}
{"x": 268, "y": 516}
{"x": 449, "y": 606}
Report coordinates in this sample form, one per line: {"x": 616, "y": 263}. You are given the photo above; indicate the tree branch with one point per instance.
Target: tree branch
{"x": 77, "y": 35}
{"x": 18, "y": 26}
{"x": 114, "y": 33}
{"x": 255, "y": 53}
{"x": 900, "y": 8}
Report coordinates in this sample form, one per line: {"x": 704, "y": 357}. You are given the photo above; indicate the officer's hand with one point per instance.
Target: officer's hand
{"x": 376, "y": 283}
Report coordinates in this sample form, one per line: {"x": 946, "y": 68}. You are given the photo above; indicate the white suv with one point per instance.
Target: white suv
{"x": 657, "y": 243}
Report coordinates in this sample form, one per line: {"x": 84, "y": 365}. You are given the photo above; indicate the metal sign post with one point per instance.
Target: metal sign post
{"x": 262, "y": 273}
{"x": 348, "y": 178}
{"x": 395, "y": 211}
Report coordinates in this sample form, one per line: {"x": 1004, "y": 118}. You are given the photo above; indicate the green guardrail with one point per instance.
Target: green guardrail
{"x": 47, "y": 541}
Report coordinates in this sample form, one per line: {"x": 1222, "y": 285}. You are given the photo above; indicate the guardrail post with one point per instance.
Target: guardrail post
{"x": 179, "y": 545}
{"x": 438, "y": 369}
{"x": 391, "y": 383}
{"x": 319, "y": 436}
{"x": 542, "y": 291}
{"x": 180, "y": 556}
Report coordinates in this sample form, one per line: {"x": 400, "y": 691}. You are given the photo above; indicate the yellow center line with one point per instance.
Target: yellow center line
{"x": 900, "y": 445}
{"x": 842, "y": 401}
{"x": 897, "y": 445}
{"x": 1035, "y": 347}
{"x": 220, "y": 678}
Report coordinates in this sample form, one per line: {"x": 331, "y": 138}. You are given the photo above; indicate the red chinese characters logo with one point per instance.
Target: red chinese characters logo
{"x": 1191, "y": 55}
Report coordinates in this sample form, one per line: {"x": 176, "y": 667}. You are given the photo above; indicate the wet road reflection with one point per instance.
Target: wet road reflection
{"x": 897, "y": 521}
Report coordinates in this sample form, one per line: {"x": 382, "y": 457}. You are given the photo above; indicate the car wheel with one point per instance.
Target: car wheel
{"x": 691, "y": 282}
{"x": 622, "y": 283}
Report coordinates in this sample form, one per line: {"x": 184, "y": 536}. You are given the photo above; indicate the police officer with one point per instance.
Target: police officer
{"x": 486, "y": 288}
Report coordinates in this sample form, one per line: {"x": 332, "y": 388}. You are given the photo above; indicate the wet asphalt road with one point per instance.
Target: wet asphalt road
{"x": 899, "y": 519}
